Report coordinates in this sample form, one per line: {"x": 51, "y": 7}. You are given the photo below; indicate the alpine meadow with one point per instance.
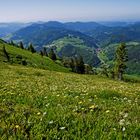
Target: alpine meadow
{"x": 70, "y": 70}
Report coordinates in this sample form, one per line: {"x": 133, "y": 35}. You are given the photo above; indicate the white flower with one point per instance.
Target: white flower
{"x": 121, "y": 122}
{"x": 125, "y": 115}
{"x": 62, "y": 128}
{"x": 123, "y": 129}
{"x": 107, "y": 111}
{"x": 44, "y": 113}
{"x": 47, "y": 105}
{"x": 50, "y": 122}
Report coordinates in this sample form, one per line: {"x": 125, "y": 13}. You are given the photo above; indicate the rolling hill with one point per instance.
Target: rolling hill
{"x": 52, "y": 33}
{"x": 74, "y": 46}
{"x": 24, "y": 57}
{"x": 78, "y": 38}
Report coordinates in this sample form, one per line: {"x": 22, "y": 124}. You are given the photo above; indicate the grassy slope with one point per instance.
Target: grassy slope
{"x": 54, "y": 105}
{"x": 33, "y": 60}
{"x": 68, "y": 40}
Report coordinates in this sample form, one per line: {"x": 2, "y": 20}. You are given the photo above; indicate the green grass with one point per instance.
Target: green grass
{"x": 18, "y": 55}
{"x": 40, "y": 104}
{"x": 60, "y": 43}
{"x": 132, "y": 78}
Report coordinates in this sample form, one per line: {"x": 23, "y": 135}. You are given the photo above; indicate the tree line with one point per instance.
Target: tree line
{"x": 76, "y": 63}
{"x": 115, "y": 72}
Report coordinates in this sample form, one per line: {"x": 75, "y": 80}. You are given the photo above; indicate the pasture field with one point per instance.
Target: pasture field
{"x": 40, "y": 104}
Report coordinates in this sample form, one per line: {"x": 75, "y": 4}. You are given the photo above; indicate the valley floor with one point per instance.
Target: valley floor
{"x": 40, "y": 104}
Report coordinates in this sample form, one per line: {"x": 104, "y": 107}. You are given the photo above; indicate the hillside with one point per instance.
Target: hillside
{"x": 84, "y": 38}
{"x": 42, "y": 104}
{"x": 72, "y": 46}
{"x": 24, "y": 57}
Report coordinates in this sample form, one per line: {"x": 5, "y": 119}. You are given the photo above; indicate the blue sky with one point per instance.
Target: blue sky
{"x": 69, "y": 10}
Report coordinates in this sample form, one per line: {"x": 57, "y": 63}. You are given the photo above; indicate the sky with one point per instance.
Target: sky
{"x": 69, "y": 10}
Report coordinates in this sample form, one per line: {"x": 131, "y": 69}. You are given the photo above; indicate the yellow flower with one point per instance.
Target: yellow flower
{"x": 80, "y": 102}
{"x": 38, "y": 113}
{"x": 17, "y": 126}
{"x": 107, "y": 111}
{"x": 92, "y": 107}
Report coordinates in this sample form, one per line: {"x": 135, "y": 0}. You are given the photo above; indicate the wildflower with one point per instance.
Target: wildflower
{"x": 38, "y": 113}
{"x": 107, "y": 111}
{"x": 17, "y": 126}
{"x": 80, "y": 102}
{"x": 123, "y": 129}
{"x": 114, "y": 129}
{"x": 121, "y": 122}
{"x": 92, "y": 107}
{"x": 50, "y": 122}
{"x": 125, "y": 115}
{"x": 44, "y": 113}
{"x": 90, "y": 100}
{"x": 125, "y": 98}
{"x": 62, "y": 128}
{"x": 47, "y": 105}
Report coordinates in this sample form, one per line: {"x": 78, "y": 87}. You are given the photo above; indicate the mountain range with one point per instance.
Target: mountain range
{"x": 80, "y": 38}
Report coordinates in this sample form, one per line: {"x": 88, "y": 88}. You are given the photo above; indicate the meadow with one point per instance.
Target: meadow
{"x": 40, "y": 104}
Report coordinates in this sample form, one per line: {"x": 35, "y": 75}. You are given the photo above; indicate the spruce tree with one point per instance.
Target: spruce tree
{"x": 72, "y": 66}
{"x": 21, "y": 45}
{"x": 41, "y": 53}
{"x": 121, "y": 59}
{"x": 79, "y": 65}
{"x": 6, "y": 54}
{"x": 52, "y": 55}
{"x": 31, "y": 48}
{"x": 12, "y": 43}
{"x": 45, "y": 52}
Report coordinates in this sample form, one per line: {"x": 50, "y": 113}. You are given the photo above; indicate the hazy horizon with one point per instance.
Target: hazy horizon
{"x": 69, "y": 10}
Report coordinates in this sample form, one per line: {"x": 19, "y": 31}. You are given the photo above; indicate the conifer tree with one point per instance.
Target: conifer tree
{"x": 31, "y": 48}
{"x": 6, "y": 54}
{"x": 45, "y": 52}
{"x": 72, "y": 66}
{"x": 12, "y": 43}
{"x": 79, "y": 65}
{"x": 41, "y": 53}
{"x": 21, "y": 45}
{"x": 121, "y": 59}
{"x": 52, "y": 55}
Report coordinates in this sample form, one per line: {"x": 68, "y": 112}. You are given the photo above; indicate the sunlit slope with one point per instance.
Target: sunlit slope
{"x": 24, "y": 57}
{"x": 41, "y": 104}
